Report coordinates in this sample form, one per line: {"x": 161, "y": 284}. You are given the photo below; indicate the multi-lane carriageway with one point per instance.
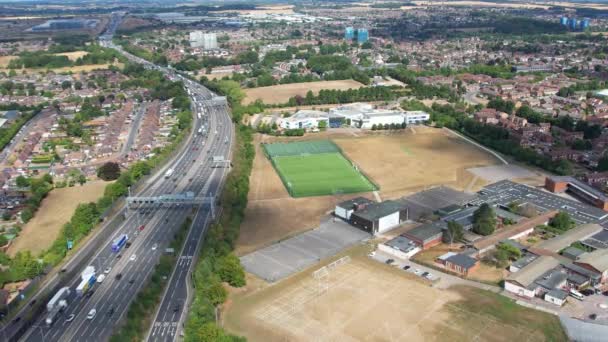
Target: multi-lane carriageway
{"x": 193, "y": 171}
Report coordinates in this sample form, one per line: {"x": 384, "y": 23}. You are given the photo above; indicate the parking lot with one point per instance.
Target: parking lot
{"x": 292, "y": 255}
{"x": 406, "y": 266}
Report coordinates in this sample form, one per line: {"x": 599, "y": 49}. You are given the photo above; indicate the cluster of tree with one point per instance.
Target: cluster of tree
{"x": 109, "y": 171}
{"x": 484, "y": 220}
{"x": 587, "y": 86}
{"x": 498, "y": 70}
{"x": 218, "y": 264}
{"x": 453, "y": 233}
{"x": 561, "y": 222}
{"x": 324, "y": 63}
{"x": 501, "y": 105}
{"x": 496, "y": 138}
{"x": 192, "y": 63}
{"x": 421, "y": 90}
{"x": 7, "y": 133}
{"x": 155, "y": 57}
{"x": 388, "y": 127}
{"x": 525, "y": 26}
{"x": 504, "y": 253}
{"x": 326, "y": 96}
{"x": 43, "y": 59}
{"x": 38, "y": 189}
{"x": 294, "y": 132}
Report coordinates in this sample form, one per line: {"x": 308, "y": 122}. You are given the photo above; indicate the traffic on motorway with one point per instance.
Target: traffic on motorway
{"x": 91, "y": 304}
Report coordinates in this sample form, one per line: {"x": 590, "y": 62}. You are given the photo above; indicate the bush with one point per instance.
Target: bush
{"x": 109, "y": 171}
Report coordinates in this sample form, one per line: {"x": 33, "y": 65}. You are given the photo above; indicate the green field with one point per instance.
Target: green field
{"x": 320, "y": 174}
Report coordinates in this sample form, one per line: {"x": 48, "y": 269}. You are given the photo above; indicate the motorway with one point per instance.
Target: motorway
{"x": 194, "y": 171}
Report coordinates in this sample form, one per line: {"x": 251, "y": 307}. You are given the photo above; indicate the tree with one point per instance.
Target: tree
{"x": 484, "y": 220}
{"x": 22, "y": 182}
{"x": 27, "y": 214}
{"x": 322, "y": 124}
{"x": 82, "y": 179}
{"x": 512, "y": 252}
{"x": 454, "y": 232}
{"x": 230, "y": 270}
{"x": 561, "y": 221}
{"x": 3, "y": 240}
{"x": 109, "y": 171}
{"x": 66, "y": 85}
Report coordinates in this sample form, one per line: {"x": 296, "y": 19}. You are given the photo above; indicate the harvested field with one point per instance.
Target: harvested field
{"x": 399, "y": 164}
{"x": 56, "y": 209}
{"x": 74, "y": 55}
{"x": 409, "y": 162}
{"x": 4, "y": 60}
{"x": 364, "y": 300}
{"x": 281, "y": 93}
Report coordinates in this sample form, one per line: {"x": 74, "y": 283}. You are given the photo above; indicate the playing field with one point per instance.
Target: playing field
{"x": 281, "y": 93}
{"x": 363, "y": 300}
{"x": 320, "y": 174}
{"x": 316, "y": 168}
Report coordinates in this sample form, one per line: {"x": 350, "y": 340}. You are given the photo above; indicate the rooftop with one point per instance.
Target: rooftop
{"x": 581, "y": 185}
{"x": 598, "y": 259}
{"x": 462, "y": 260}
{"x": 354, "y": 202}
{"x": 401, "y": 243}
{"x": 562, "y": 241}
{"x": 425, "y": 231}
{"x": 526, "y": 276}
{"x": 375, "y": 211}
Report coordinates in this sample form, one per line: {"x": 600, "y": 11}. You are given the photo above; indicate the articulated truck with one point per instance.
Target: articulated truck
{"x": 56, "y": 305}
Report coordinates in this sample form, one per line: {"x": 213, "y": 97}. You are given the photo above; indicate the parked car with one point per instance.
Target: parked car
{"x": 389, "y": 261}
{"x": 587, "y": 292}
{"x": 406, "y": 267}
{"x": 417, "y": 272}
{"x": 425, "y": 274}
{"x": 593, "y": 316}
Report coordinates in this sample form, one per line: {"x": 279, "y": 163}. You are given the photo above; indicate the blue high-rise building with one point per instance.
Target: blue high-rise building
{"x": 349, "y": 33}
{"x": 564, "y": 21}
{"x": 573, "y": 23}
{"x": 362, "y": 36}
{"x": 585, "y": 23}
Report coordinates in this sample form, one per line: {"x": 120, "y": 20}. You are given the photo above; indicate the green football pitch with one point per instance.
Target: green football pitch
{"x": 320, "y": 174}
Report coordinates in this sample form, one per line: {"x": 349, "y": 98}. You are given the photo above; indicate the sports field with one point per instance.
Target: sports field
{"x": 321, "y": 174}
{"x": 316, "y": 168}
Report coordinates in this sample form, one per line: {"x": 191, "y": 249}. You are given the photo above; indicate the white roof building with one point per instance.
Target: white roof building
{"x": 304, "y": 119}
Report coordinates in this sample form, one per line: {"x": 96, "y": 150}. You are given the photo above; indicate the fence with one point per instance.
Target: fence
{"x": 300, "y": 148}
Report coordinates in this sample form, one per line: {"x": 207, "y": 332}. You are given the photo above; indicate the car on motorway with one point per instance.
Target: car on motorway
{"x": 70, "y": 318}
{"x": 133, "y": 257}
{"x": 118, "y": 276}
{"x": 128, "y": 244}
{"x": 107, "y": 270}
{"x": 119, "y": 256}
{"x": 101, "y": 278}
{"x": 154, "y": 246}
{"x": 141, "y": 227}
{"x": 111, "y": 311}
{"x": 89, "y": 293}
{"x": 92, "y": 314}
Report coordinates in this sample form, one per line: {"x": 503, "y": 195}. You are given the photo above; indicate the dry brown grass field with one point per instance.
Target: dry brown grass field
{"x": 281, "y": 93}
{"x": 56, "y": 209}
{"x": 363, "y": 300}
{"x": 400, "y": 164}
{"x": 4, "y": 60}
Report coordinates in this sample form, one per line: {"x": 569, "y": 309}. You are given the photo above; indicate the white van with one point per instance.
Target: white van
{"x": 576, "y": 294}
